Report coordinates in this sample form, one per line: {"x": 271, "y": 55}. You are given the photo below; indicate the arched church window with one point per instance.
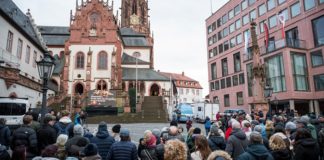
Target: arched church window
{"x": 102, "y": 85}
{"x": 80, "y": 60}
{"x": 102, "y": 60}
{"x": 134, "y": 7}
{"x": 78, "y": 89}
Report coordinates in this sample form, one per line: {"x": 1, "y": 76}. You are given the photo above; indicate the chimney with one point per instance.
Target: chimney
{"x": 182, "y": 73}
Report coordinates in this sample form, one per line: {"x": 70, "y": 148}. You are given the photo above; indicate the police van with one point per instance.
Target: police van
{"x": 13, "y": 110}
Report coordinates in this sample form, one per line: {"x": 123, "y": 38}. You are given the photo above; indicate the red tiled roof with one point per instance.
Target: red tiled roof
{"x": 183, "y": 78}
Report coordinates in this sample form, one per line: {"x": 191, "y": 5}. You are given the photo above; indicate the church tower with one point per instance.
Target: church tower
{"x": 134, "y": 14}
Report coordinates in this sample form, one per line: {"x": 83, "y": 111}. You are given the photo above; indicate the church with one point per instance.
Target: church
{"x": 99, "y": 57}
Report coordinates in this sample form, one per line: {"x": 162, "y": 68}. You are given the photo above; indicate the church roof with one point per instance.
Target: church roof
{"x": 54, "y": 35}
{"x": 130, "y": 32}
{"x": 143, "y": 74}
{"x": 132, "y": 38}
{"x": 127, "y": 59}
{"x": 10, "y": 11}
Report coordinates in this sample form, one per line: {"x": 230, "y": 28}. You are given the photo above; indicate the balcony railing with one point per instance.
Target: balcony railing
{"x": 9, "y": 59}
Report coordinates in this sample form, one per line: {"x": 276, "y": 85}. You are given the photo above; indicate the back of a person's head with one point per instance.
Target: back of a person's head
{"x": 50, "y": 151}
{"x": 302, "y": 133}
{"x": 19, "y": 153}
{"x": 202, "y": 146}
{"x": 256, "y": 138}
{"x": 62, "y": 139}
{"x": 2, "y": 121}
{"x": 78, "y": 130}
{"x": 102, "y": 126}
{"x": 305, "y": 118}
{"x": 290, "y": 126}
{"x": 27, "y": 119}
{"x": 279, "y": 128}
{"x": 236, "y": 125}
{"x": 196, "y": 130}
{"x": 65, "y": 113}
{"x": 276, "y": 143}
{"x": 173, "y": 130}
{"x": 90, "y": 150}
{"x": 175, "y": 150}
{"x": 219, "y": 155}
{"x": 116, "y": 128}
{"x": 174, "y": 123}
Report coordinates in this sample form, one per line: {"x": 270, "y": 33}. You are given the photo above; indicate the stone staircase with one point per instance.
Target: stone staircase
{"x": 153, "y": 110}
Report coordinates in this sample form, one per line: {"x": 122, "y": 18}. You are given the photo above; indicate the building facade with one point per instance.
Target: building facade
{"x": 20, "y": 47}
{"x": 291, "y": 48}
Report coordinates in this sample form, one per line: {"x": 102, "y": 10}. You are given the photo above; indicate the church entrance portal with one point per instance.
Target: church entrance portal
{"x": 155, "y": 90}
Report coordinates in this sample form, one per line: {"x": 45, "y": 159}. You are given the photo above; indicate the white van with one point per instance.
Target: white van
{"x": 13, "y": 110}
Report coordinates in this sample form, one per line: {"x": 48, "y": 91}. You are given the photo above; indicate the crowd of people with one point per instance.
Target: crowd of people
{"x": 235, "y": 137}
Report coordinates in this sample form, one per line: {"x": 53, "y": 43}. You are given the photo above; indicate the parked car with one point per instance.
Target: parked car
{"x": 230, "y": 112}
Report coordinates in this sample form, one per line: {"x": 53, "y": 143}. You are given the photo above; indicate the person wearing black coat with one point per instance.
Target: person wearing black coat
{"x": 305, "y": 146}
{"x": 4, "y": 155}
{"x": 215, "y": 140}
{"x": 4, "y": 133}
{"x": 237, "y": 143}
{"x": 25, "y": 136}
{"x": 103, "y": 140}
{"x": 46, "y": 135}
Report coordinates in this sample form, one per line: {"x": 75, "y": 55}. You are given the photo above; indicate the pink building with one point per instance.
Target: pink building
{"x": 293, "y": 58}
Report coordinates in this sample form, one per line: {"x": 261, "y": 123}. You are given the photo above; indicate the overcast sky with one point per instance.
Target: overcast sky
{"x": 178, "y": 27}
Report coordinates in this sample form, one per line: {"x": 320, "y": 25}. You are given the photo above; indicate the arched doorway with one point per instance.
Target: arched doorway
{"x": 78, "y": 89}
{"x": 155, "y": 90}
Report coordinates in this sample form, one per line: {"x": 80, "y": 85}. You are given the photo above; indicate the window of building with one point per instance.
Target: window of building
{"x": 281, "y": 1}
{"x": 252, "y": 15}
{"x": 292, "y": 38}
{"x": 273, "y": 21}
{"x": 317, "y": 58}
{"x": 213, "y": 26}
{"x": 285, "y": 13}
{"x": 213, "y": 71}
{"x": 249, "y": 78}
{"x": 261, "y": 26}
{"x": 219, "y": 22}
{"x": 295, "y": 9}
{"x": 237, "y": 10}
{"x": 275, "y": 73}
{"x": 239, "y": 38}
{"x": 232, "y": 42}
{"x": 220, "y": 35}
{"x": 271, "y": 4}
{"x": 187, "y": 91}
{"x": 212, "y": 86}
{"x": 300, "y": 71}
{"x": 262, "y": 9}
{"x": 181, "y": 91}
{"x": 237, "y": 62}
{"x": 225, "y": 31}
{"x": 102, "y": 85}
{"x": 197, "y": 92}
{"x": 232, "y": 28}
{"x": 214, "y": 51}
{"x": 210, "y": 53}
{"x": 193, "y": 91}
{"x": 318, "y": 31}
{"x": 251, "y": 2}
{"x": 224, "y": 19}
{"x": 9, "y": 41}
{"x": 226, "y": 46}
{"x": 235, "y": 80}
{"x": 319, "y": 82}
{"x": 309, "y": 4}
{"x": 238, "y": 24}
{"x": 244, "y": 4}
{"x": 216, "y": 85}
{"x": 19, "y": 48}
{"x": 230, "y": 14}
{"x": 214, "y": 38}
{"x": 228, "y": 81}
{"x": 102, "y": 60}
{"x": 220, "y": 48}
{"x": 239, "y": 96}
{"x": 222, "y": 83}
{"x": 80, "y": 60}
{"x": 210, "y": 41}
{"x": 241, "y": 78}
{"x": 271, "y": 45}
{"x": 224, "y": 67}
{"x": 209, "y": 29}
{"x": 34, "y": 58}
{"x": 246, "y": 19}
{"x": 226, "y": 100}
{"x": 27, "y": 58}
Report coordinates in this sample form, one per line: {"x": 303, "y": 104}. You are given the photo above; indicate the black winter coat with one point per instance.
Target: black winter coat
{"x": 103, "y": 141}
{"x": 256, "y": 152}
{"x": 149, "y": 154}
{"x": 5, "y": 136}
{"x": 281, "y": 154}
{"x": 46, "y": 135}
{"x": 237, "y": 143}
{"x": 26, "y": 136}
{"x": 306, "y": 149}
{"x": 216, "y": 143}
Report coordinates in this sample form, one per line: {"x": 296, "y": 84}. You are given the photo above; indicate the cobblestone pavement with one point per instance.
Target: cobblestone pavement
{"x": 137, "y": 129}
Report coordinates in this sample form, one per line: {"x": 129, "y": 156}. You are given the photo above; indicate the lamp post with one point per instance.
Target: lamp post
{"x": 136, "y": 55}
{"x": 45, "y": 70}
{"x": 267, "y": 94}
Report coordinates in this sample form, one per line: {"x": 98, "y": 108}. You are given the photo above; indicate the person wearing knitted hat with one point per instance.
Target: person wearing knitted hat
{"x": 125, "y": 149}
{"x": 149, "y": 152}
{"x": 115, "y": 132}
{"x": 78, "y": 135}
{"x": 90, "y": 152}
{"x": 60, "y": 142}
{"x": 103, "y": 140}
{"x": 215, "y": 140}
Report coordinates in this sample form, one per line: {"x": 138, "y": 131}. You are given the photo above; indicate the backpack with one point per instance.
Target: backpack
{"x": 64, "y": 128}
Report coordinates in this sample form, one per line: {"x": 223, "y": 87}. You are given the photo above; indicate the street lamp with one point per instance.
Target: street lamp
{"x": 267, "y": 94}
{"x": 45, "y": 70}
{"x": 136, "y": 55}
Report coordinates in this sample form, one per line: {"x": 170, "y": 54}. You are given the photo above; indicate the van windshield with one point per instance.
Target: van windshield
{"x": 11, "y": 109}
